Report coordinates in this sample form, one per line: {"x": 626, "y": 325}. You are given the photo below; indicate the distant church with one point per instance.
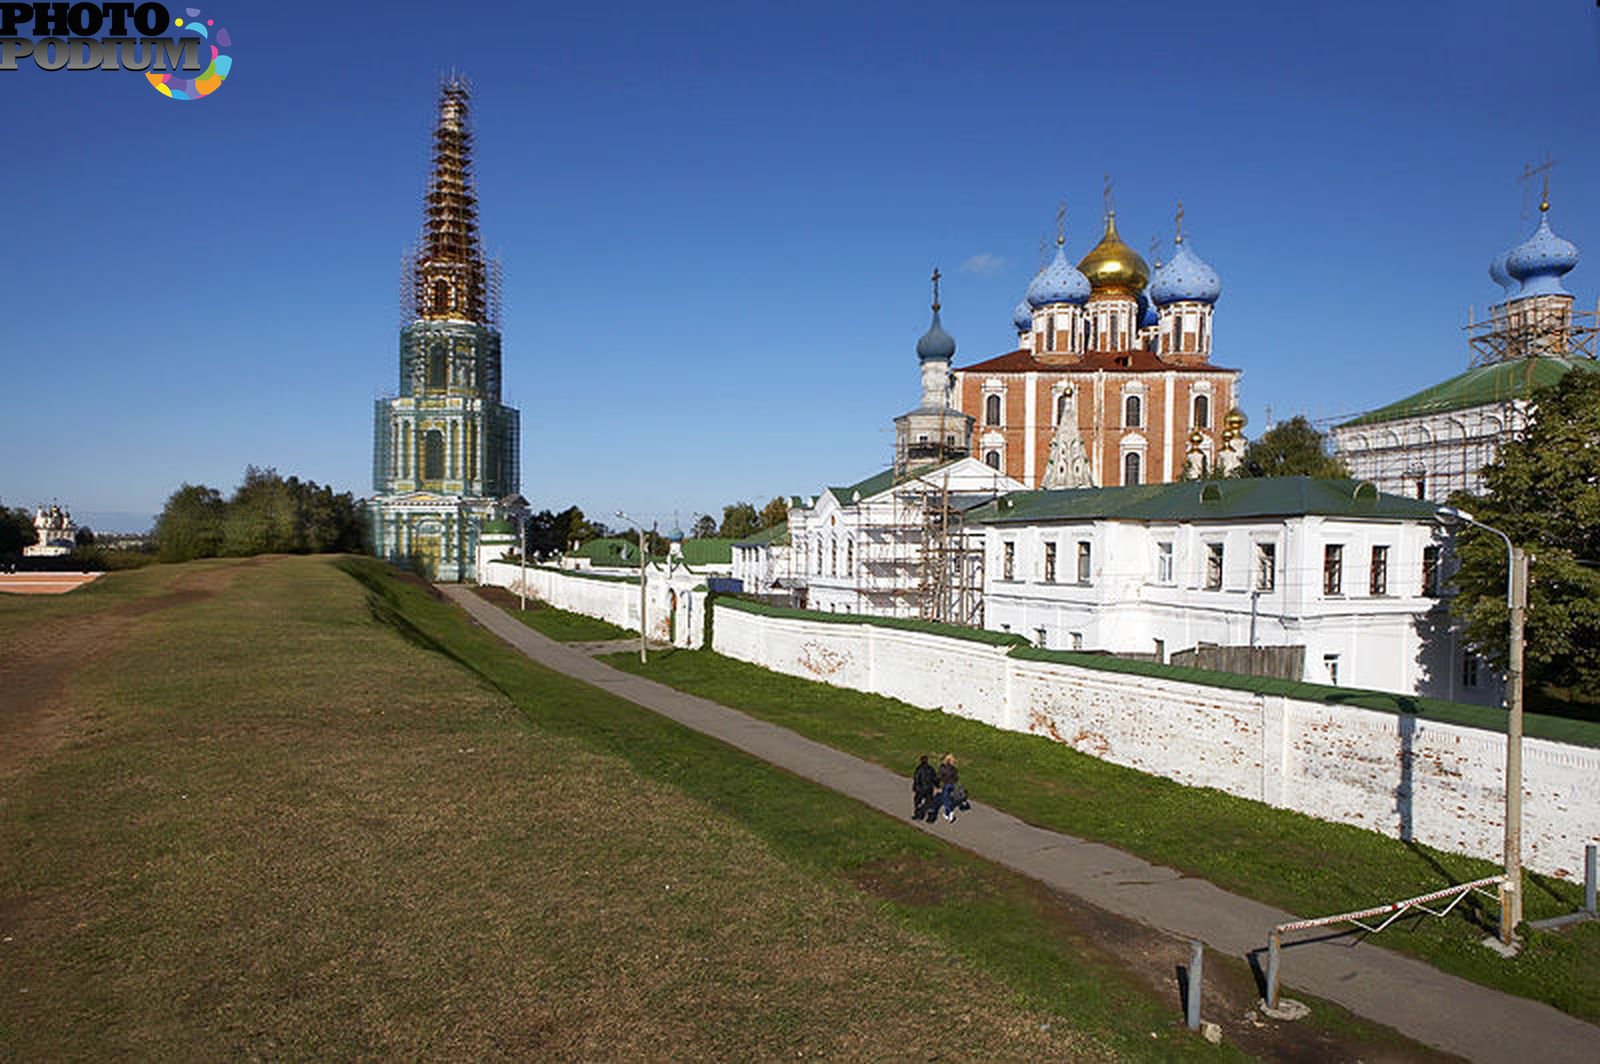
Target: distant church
{"x": 1436, "y": 442}
{"x": 1111, "y": 383}
{"x": 445, "y": 450}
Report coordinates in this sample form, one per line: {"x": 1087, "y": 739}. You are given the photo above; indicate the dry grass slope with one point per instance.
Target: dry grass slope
{"x": 265, "y": 825}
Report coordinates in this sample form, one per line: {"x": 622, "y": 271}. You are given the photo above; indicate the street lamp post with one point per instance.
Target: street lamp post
{"x": 1516, "y": 605}
{"x": 643, "y": 656}
{"x": 522, "y": 555}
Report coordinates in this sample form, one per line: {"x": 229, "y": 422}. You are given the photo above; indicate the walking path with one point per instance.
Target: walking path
{"x": 1412, "y": 997}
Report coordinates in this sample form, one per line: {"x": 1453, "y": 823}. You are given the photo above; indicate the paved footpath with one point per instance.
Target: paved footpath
{"x": 1412, "y": 997}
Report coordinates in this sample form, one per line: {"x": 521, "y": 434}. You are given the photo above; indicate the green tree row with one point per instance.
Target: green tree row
{"x": 741, "y": 520}
{"x": 267, "y": 514}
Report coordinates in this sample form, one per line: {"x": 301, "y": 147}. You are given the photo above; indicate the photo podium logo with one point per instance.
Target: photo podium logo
{"x": 182, "y": 57}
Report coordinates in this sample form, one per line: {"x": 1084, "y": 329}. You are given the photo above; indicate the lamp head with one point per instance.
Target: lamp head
{"x": 1450, "y": 515}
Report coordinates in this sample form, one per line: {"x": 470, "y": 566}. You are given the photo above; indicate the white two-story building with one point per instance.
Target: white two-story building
{"x": 1348, "y": 575}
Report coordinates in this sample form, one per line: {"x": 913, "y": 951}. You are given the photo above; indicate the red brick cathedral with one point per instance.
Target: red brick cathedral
{"x": 1112, "y": 381}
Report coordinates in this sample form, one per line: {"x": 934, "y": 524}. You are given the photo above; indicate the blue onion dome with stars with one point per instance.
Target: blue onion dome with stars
{"x": 1058, "y": 282}
{"x": 1148, "y": 315}
{"x": 1498, "y": 274}
{"x": 1022, "y": 317}
{"x": 1185, "y": 279}
{"x": 1539, "y": 262}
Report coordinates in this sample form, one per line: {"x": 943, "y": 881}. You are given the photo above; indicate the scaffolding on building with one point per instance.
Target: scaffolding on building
{"x": 1438, "y": 446}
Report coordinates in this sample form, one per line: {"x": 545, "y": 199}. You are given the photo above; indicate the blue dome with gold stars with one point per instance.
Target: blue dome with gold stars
{"x": 1022, "y": 317}
{"x": 1058, "y": 282}
{"x": 1539, "y": 262}
{"x": 1187, "y": 278}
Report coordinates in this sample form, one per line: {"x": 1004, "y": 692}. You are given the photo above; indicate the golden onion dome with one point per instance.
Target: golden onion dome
{"x": 1111, "y": 264}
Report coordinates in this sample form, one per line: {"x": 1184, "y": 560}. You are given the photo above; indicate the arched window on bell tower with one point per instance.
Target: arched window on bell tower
{"x": 433, "y": 455}
{"x": 438, "y": 368}
{"x": 441, "y": 297}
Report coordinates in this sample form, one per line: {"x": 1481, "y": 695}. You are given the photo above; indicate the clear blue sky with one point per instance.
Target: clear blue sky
{"x": 717, "y": 221}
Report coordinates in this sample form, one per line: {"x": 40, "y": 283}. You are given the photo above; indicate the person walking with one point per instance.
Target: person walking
{"x": 924, "y": 782}
{"x": 949, "y": 780}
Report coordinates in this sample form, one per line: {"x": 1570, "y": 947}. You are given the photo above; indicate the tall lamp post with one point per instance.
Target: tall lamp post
{"x": 643, "y": 657}
{"x": 522, "y": 556}
{"x": 1516, "y": 604}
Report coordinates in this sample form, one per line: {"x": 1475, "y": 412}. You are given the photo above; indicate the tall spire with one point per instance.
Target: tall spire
{"x": 449, "y": 276}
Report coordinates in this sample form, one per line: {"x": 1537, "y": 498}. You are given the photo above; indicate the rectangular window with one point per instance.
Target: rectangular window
{"x": 1040, "y": 633}
{"x": 1049, "y": 563}
{"x": 1378, "y": 582}
{"x": 1430, "y": 572}
{"x": 1213, "y": 567}
{"x": 1163, "y": 563}
{"x": 1266, "y": 566}
{"x": 1469, "y": 669}
{"x": 849, "y": 559}
{"x": 1008, "y": 561}
{"x": 1077, "y": 640}
{"x": 1083, "y": 562}
{"x": 1330, "y": 663}
{"x": 1332, "y": 569}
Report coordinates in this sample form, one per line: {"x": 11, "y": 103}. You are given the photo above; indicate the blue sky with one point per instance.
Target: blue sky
{"x": 717, "y": 221}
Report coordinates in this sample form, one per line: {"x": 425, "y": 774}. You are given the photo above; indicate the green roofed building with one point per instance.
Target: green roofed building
{"x": 1436, "y": 442}
{"x": 1330, "y": 581}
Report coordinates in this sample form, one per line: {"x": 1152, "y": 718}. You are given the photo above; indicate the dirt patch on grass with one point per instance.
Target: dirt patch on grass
{"x": 41, "y": 655}
{"x": 1230, "y": 996}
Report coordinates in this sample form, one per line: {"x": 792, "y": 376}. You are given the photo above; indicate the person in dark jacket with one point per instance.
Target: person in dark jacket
{"x": 949, "y": 780}
{"x": 924, "y": 782}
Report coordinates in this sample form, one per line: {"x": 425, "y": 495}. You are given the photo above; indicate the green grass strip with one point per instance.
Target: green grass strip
{"x": 1308, "y": 866}
{"x": 988, "y": 915}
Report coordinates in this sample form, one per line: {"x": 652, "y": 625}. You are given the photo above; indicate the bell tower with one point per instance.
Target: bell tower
{"x": 445, "y": 449}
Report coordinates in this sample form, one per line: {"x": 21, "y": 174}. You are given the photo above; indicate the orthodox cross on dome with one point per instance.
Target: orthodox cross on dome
{"x": 1543, "y": 169}
{"x": 1179, "y": 238}
{"x": 936, "y": 276}
{"x": 1109, "y": 208}
{"x": 1061, "y": 223}
{"x": 1155, "y": 251}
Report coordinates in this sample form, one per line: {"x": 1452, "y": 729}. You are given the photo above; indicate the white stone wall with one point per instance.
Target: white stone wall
{"x": 1441, "y": 784}
{"x": 674, "y": 608}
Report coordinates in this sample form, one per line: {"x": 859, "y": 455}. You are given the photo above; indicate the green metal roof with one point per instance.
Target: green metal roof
{"x": 881, "y": 482}
{"x": 776, "y": 536}
{"x": 1496, "y": 382}
{"x": 1204, "y": 500}
{"x": 610, "y": 551}
{"x": 707, "y": 551}
{"x": 499, "y": 527}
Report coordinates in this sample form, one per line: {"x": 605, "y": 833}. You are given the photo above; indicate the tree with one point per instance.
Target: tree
{"x": 704, "y": 527}
{"x": 1289, "y": 449}
{"x": 1542, "y": 490}
{"x": 16, "y": 530}
{"x": 190, "y": 525}
{"x": 739, "y": 521}
{"x": 775, "y": 513}
{"x": 84, "y": 537}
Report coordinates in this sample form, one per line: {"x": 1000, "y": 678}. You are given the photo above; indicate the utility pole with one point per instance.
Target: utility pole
{"x": 643, "y": 655}
{"x": 1517, "y": 601}
{"x": 522, "y": 553}
{"x": 1516, "y": 606}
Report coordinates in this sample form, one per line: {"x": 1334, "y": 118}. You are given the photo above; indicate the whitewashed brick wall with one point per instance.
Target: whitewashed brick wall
{"x": 615, "y": 601}
{"x": 1441, "y": 784}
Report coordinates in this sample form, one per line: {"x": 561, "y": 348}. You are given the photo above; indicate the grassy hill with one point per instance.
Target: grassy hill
{"x": 260, "y": 808}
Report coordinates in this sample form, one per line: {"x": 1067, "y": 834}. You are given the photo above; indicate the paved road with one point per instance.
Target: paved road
{"x": 1412, "y": 997}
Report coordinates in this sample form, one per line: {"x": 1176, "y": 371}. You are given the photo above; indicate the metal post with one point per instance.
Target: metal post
{"x": 522, "y": 552}
{"x": 1197, "y": 959}
{"x": 1274, "y": 941}
{"x": 1511, "y": 892}
{"x": 643, "y": 658}
{"x": 1589, "y": 879}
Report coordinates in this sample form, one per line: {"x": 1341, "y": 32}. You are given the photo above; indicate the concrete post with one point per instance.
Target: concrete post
{"x": 1589, "y": 878}
{"x": 1197, "y": 958}
{"x": 1511, "y": 891}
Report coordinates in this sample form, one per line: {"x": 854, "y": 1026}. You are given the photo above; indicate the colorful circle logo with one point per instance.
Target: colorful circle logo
{"x": 168, "y": 83}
